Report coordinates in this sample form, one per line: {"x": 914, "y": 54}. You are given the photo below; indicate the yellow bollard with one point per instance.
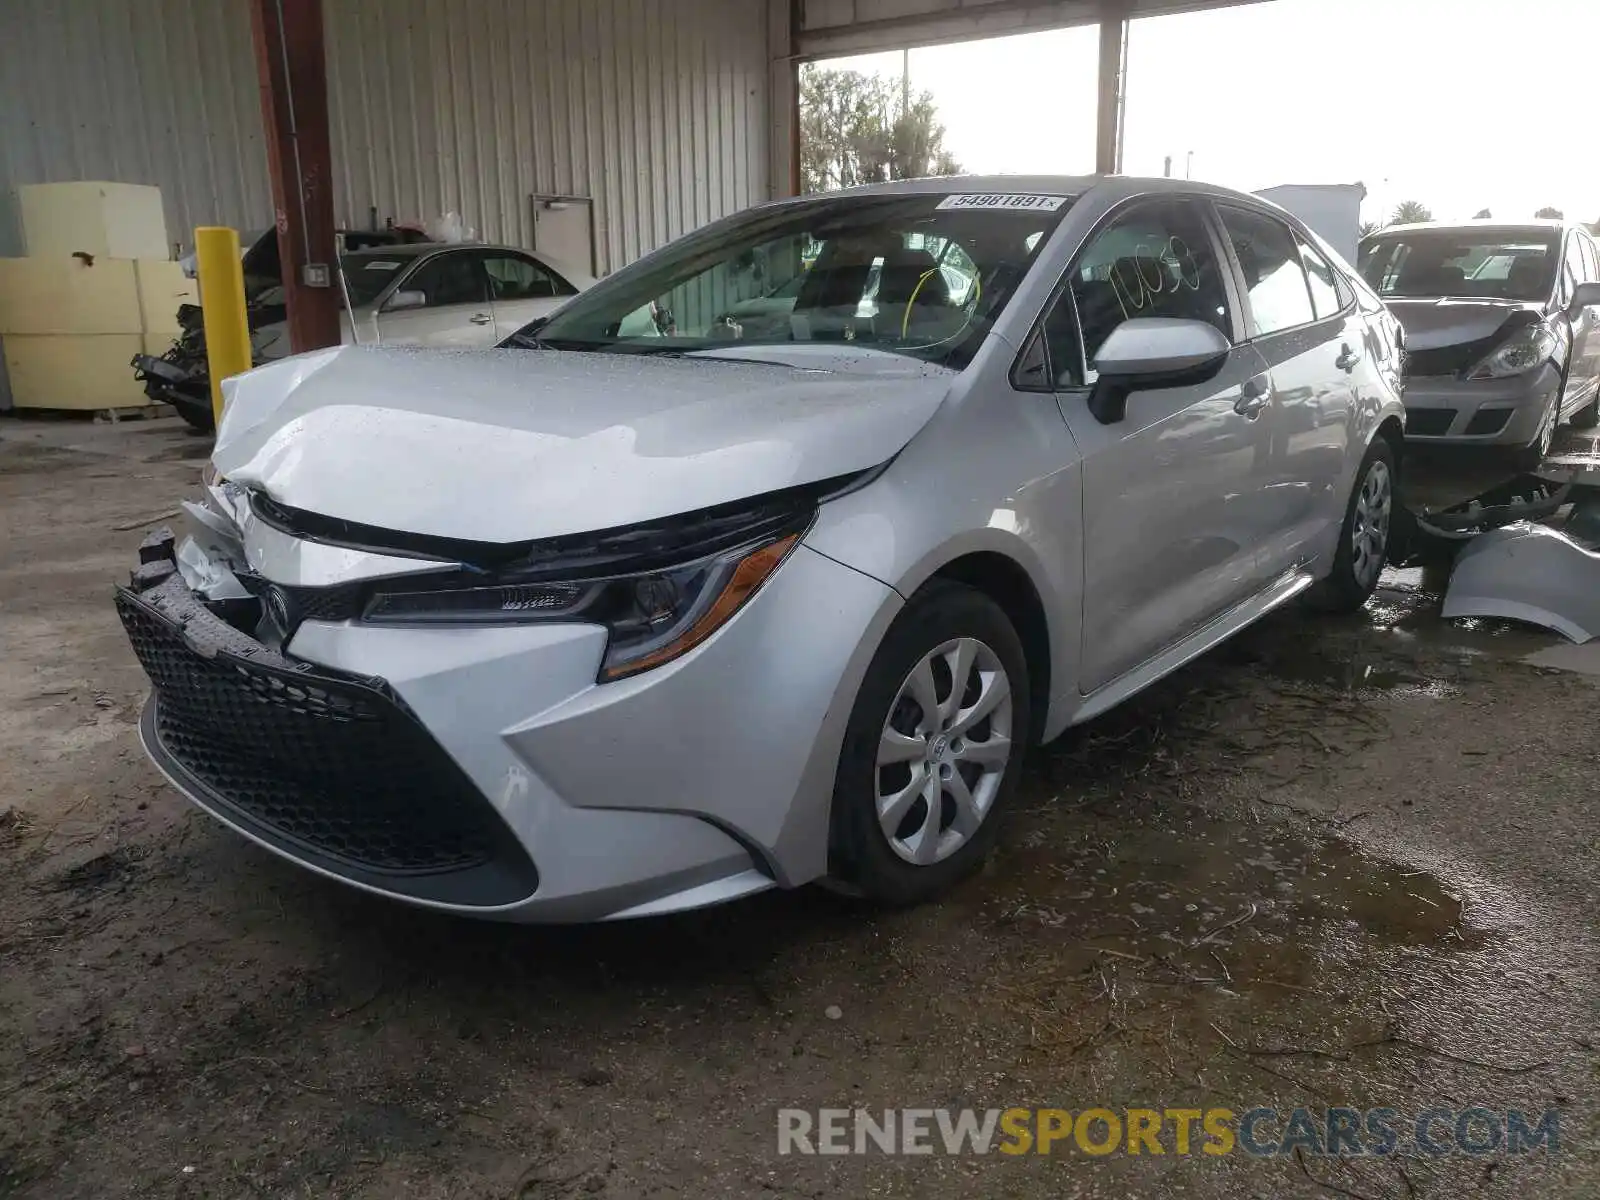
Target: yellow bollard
{"x": 221, "y": 273}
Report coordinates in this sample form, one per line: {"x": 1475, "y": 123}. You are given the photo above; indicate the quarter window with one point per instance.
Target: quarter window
{"x": 1325, "y": 296}
{"x": 1274, "y": 277}
{"x": 1154, "y": 261}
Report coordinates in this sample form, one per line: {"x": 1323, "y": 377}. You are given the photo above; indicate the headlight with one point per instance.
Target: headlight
{"x": 1525, "y": 350}
{"x": 659, "y": 592}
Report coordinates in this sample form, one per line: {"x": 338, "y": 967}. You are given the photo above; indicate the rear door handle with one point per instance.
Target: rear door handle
{"x": 1253, "y": 397}
{"x": 1347, "y": 359}
{"x": 480, "y": 318}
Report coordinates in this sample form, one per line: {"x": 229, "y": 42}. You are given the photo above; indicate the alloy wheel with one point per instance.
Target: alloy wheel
{"x": 943, "y": 751}
{"x": 1369, "y": 532}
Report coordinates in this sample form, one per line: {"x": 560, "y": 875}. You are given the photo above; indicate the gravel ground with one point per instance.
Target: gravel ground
{"x": 1335, "y": 863}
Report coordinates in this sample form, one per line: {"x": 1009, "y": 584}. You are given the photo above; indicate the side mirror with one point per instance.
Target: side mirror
{"x": 1153, "y": 352}
{"x": 1583, "y": 296}
{"x": 404, "y": 300}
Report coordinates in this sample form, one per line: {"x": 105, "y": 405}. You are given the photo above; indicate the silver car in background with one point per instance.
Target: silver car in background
{"x": 460, "y": 295}
{"x": 1502, "y": 329}
{"x": 648, "y": 614}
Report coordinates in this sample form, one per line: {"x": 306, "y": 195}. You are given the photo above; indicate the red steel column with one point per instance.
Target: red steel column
{"x": 291, "y": 66}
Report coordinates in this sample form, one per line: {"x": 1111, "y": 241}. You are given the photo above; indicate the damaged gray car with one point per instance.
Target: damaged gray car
{"x": 625, "y": 619}
{"x": 1502, "y": 326}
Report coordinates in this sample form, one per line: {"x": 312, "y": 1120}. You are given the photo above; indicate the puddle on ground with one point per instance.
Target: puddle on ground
{"x": 1240, "y": 907}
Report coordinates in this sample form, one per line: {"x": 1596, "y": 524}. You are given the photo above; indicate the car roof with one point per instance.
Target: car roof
{"x": 1533, "y": 226}
{"x": 417, "y": 249}
{"x": 1059, "y": 185}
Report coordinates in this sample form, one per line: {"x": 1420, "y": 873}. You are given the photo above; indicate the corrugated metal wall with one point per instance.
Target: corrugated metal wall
{"x": 655, "y": 108}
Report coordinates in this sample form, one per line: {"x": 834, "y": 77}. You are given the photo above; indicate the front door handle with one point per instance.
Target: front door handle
{"x": 480, "y": 318}
{"x": 1347, "y": 359}
{"x": 1253, "y": 397}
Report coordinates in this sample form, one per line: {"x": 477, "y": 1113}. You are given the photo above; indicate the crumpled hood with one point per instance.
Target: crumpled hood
{"x": 1435, "y": 324}
{"x": 513, "y": 445}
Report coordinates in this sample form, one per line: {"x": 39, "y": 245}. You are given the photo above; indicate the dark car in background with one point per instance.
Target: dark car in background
{"x": 180, "y": 377}
{"x": 1502, "y": 329}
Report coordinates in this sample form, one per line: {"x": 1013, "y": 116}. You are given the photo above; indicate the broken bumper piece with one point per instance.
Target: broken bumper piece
{"x": 1526, "y": 572}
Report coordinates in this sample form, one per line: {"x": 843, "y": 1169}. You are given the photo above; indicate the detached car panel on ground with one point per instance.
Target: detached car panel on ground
{"x": 654, "y": 608}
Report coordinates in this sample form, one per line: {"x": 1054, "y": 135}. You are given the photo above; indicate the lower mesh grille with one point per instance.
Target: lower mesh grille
{"x": 331, "y": 769}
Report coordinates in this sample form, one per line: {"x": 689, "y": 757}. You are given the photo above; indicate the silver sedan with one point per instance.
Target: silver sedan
{"x": 653, "y": 608}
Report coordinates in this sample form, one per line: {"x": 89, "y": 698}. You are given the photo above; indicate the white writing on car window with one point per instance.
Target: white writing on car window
{"x": 1138, "y": 287}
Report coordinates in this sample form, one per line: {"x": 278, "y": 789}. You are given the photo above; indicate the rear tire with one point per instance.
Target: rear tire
{"x": 1364, "y": 536}
{"x": 922, "y": 783}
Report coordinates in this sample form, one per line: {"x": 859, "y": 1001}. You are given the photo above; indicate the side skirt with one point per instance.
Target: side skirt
{"x": 1282, "y": 590}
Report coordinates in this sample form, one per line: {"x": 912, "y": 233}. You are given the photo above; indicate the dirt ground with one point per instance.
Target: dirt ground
{"x": 1334, "y": 863}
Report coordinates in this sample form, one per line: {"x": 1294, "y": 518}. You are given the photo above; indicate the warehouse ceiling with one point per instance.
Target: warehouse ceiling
{"x": 826, "y": 28}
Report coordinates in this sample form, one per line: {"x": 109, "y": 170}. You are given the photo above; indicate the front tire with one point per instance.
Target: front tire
{"x": 933, "y": 748}
{"x": 1363, "y": 537}
{"x": 1528, "y": 458}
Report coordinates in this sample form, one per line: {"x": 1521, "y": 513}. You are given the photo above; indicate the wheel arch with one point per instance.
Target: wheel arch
{"x": 1007, "y": 582}
{"x": 1392, "y": 430}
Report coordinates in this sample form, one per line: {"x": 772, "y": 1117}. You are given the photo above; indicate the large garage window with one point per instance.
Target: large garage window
{"x": 1274, "y": 277}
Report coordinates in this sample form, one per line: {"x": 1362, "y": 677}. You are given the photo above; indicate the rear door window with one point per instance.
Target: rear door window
{"x": 1274, "y": 275}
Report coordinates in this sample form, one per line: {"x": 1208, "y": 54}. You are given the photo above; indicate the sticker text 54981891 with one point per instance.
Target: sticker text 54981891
{"x": 1028, "y": 202}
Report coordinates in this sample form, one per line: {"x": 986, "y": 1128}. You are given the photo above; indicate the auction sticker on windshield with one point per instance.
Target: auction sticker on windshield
{"x": 1026, "y": 201}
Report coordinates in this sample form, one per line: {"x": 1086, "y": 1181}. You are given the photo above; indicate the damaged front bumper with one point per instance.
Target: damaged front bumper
{"x": 483, "y": 770}
{"x": 1528, "y": 573}
{"x": 178, "y": 378}
{"x": 1449, "y": 411}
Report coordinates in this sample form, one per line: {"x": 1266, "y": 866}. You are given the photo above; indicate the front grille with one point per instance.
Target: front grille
{"x": 331, "y": 769}
{"x": 1429, "y": 422}
{"x": 336, "y": 602}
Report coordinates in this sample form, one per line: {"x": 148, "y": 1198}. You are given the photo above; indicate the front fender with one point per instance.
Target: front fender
{"x": 904, "y": 537}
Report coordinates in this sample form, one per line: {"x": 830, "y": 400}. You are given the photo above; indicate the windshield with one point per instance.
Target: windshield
{"x": 366, "y": 275}
{"x": 923, "y": 275}
{"x": 1498, "y": 264}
